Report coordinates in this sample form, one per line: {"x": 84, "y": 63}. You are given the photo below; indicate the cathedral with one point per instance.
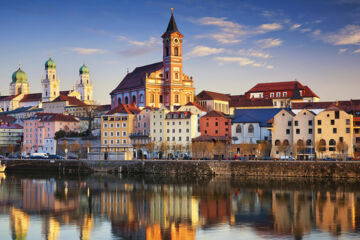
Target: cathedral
{"x": 161, "y": 83}
{"x": 20, "y": 96}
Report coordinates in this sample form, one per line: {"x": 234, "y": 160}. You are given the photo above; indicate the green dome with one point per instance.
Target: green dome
{"x": 19, "y": 76}
{"x": 84, "y": 69}
{"x": 50, "y": 64}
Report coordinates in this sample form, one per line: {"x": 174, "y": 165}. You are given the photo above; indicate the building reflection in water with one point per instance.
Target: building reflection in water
{"x": 136, "y": 210}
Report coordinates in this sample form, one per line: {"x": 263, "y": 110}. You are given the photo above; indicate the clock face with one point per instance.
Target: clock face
{"x": 176, "y": 41}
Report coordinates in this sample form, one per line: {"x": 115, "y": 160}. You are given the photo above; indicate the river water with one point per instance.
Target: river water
{"x": 115, "y": 207}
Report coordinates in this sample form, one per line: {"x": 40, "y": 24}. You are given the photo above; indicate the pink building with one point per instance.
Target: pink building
{"x": 143, "y": 121}
{"x": 40, "y": 129}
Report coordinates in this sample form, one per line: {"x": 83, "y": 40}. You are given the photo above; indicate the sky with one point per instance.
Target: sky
{"x": 229, "y": 46}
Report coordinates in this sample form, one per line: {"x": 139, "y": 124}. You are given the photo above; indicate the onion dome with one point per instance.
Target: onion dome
{"x": 19, "y": 76}
{"x": 84, "y": 69}
{"x": 50, "y": 64}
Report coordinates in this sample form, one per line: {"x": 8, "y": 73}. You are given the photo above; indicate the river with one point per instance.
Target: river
{"x": 150, "y": 207}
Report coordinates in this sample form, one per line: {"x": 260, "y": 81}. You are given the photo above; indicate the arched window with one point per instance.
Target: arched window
{"x": 176, "y": 51}
{"x": 286, "y": 142}
{"x": 238, "y": 129}
{"x": 251, "y": 129}
{"x": 300, "y": 143}
{"x": 134, "y": 99}
{"x": 119, "y": 100}
{"x": 126, "y": 100}
{"x": 277, "y": 142}
{"x": 332, "y": 142}
{"x": 152, "y": 98}
{"x": 167, "y": 51}
{"x": 308, "y": 142}
{"x": 141, "y": 98}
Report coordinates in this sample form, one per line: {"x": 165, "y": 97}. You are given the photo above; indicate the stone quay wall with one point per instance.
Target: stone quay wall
{"x": 193, "y": 168}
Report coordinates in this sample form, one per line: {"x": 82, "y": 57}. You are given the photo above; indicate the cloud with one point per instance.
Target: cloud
{"x": 269, "y": 42}
{"x": 270, "y": 27}
{"x": 357, "y": 51}
{"x": 200, "y": 51}
{"x": 230, "y": 32}
{"x": 88, "y": 51}
{"x": 242, "y": 61}
{"x": 295, "y": 26}
{"x": 305, "y": 30}
{"x": 139, "y": 48}
{"x": 253, "y": 53}
{"x": 342, "y": 50}
{"x": 349, "y": 35}
{"x": 317, "y": 32}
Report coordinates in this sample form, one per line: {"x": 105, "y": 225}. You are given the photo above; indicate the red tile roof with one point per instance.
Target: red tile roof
{"x": 207, "y": 95}
{"x": 310, "y": 105}
{"x": 136, "y": 78}
{"x": 214, "y": 113}
{"x": 72, "y": 101}
{"x": 196, "y": 105}
{"x": 33, "y": 97}
{"x": 123, "y": 108}
{"x": 350, "y": 106}
{"x": 7, "y": 98}
{"x": 243, "y": 101}
{"x": 54, "y": 117}
{"x": 282, "y": 86}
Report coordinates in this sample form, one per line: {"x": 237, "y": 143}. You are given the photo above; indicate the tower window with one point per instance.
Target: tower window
{"x": 176, "y": 75}
{"x": 161, "y": 98}
{"x": 119, "y": 100}
{"x": 176, "y": 51}
{"x": 176, "y": 98}
{"x": 152, "y": 98}
{"x": 167, "y": 51}
{"x": 141, "y": 98}
{"x": 126, "y": 100}
{"x": 134, "y": 99}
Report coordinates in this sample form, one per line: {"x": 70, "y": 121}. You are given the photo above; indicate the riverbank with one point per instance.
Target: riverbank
{"x": 192, "y": 168}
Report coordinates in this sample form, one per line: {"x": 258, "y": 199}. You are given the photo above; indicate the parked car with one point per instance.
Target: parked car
{"x": 289, "y": 158}
{"x": 38, "y": 156}
{"x": 2, "y": 157}
{"x": 329, "y": 159}
{"x": 14, "y": 156}
{"x": 72, "y": 157}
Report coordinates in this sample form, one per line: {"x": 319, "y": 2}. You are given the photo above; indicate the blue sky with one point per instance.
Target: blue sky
{"x": 229, "y": 46}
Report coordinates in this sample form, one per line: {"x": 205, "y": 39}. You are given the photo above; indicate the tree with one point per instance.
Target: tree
{"x": 219, "y": 149}
{"x": 299, "y": 147}
{"x": 63, "y": 146}
{"x": 195, "y": 149}
{"x": 150, "y": 147}
{"x": 342, "y": 148}
{"x": 90, "y": 112}
{"x": 320, "y": 147}
{"x": 178, "y": 148}
{"x": 87, "y": 145}
{"x": 75, "y": 148}
{"x": 209, "y": 148}
{"x": 11, "y": 148}
{"x": 264, "y": 149}
{"x": 164, "y": 146}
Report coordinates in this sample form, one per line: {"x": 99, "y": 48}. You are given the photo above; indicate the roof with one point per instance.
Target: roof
{"x": 214, "y": 113}
{"x": 33, "y": 97}
{"x": 136, "y": 78}
{"x": 22, "y": 110}
{"x": 207, "y": 138}
{"x": 311, "y": 105}
{"x": 208, "y": 95}
{"x": 243, "y": 101}
{"x": 73, "y": 101}
{"x": 103, "y": 108}
{"x": 7, "y": 119}
{"x": 350, "y": 106}
{"x": 7, "y": 98}
{"x": 171, "y": 28}
{"x": 196, "y": 105}
{"x": 10, "y": 126}
{"x": 282, "y": 86}
{"x": 54, "y": 117}
{"x": 177, "y": 115}
{"x": 261, "y": 116}
{"x": 296, "y": 93}
{"x": 124, "y": 108}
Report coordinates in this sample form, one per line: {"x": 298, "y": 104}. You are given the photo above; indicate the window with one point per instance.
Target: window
{"x": 216, "y": 131}
{"x": 141, "y": 98}
{"x": 168, "y": 138}
{"x": 111, "y": 125}
{"x": 310, "y": 131}
{"x": 117, "y": 125}
{"x": 216, "y": 124}
{"x": 337, "y": 114}
{"x": 319, "y": 122}
{"x": 167, "y": 52}
{"x": 341, "y": 139}
{"x": 332, "y": 122}
{"x": 297, "y": 131}
{"x": 124, "y": 141}
{"x": 187, "y": 130}
{"x": 173, "y": 138}
{"x": 111, "y": 142}
{"x": 187, "y": 139}
{"x": 238, "y": 129}
{"x": 205, "y": 131}
{"x": 296, "y": 123}
{"x": 176, "y": 75}
{"x": 118, "y": 134}
{"x": 288, "y": 131}
{"x": 335, "y": 130}
{"x": 126, "y": 100}
{"x": 124, "y": 125}
{"x": 310, "y": 123}
{"x": 278, "y": 94}
{"x": 105, "y": 126}
{"x": 179, "y": 138}
{"x": 347, "y": 130}
{"x": 176, "y": 51}
{"x": 173, "y": 130}
{"x": 176, "y": 98}
{"x": 347, "y": 121}
{"x": 251, "y": 129}
{"x": 284, "y": 94}
{"x": 105, "y": 134}
{"x": 179, "y": 130}
{"x": 207, "y": 124}
{"x": 105, "y": 142}
{"x": 289, "y": 123}
{"x": 271, "y": 95}
{"x": 168, "y": 130}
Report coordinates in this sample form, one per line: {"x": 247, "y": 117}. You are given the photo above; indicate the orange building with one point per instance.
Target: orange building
{"x": 161, "y": 83}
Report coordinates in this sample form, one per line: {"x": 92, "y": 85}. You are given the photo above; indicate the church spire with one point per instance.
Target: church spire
{"x": 172, "y": 24}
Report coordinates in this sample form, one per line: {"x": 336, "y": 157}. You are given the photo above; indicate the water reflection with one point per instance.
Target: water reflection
{"x": 119, "y": 208}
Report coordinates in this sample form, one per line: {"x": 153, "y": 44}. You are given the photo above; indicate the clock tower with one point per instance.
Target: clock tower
{"x": 172, "y": 59}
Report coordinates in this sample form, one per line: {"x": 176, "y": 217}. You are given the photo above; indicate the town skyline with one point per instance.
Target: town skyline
{"x": 241, "y": 43}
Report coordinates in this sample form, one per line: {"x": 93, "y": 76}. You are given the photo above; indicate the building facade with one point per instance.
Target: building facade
{"x": 214, "y": 101}
{"x": 215, "y": 123}
{"x": 162, "y": 83}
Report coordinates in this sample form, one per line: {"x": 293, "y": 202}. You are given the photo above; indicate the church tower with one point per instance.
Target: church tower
{"x": 19, "y": 84}
{"x": 50, "y": 84}
{"x": 84, "y": 86}
{"x": 172, "y": 60}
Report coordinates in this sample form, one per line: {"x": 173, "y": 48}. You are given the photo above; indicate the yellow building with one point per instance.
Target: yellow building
{"x": 116, "y": 127}
{"x": 161, "y": 83}
{"x": 334, "y": 133}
